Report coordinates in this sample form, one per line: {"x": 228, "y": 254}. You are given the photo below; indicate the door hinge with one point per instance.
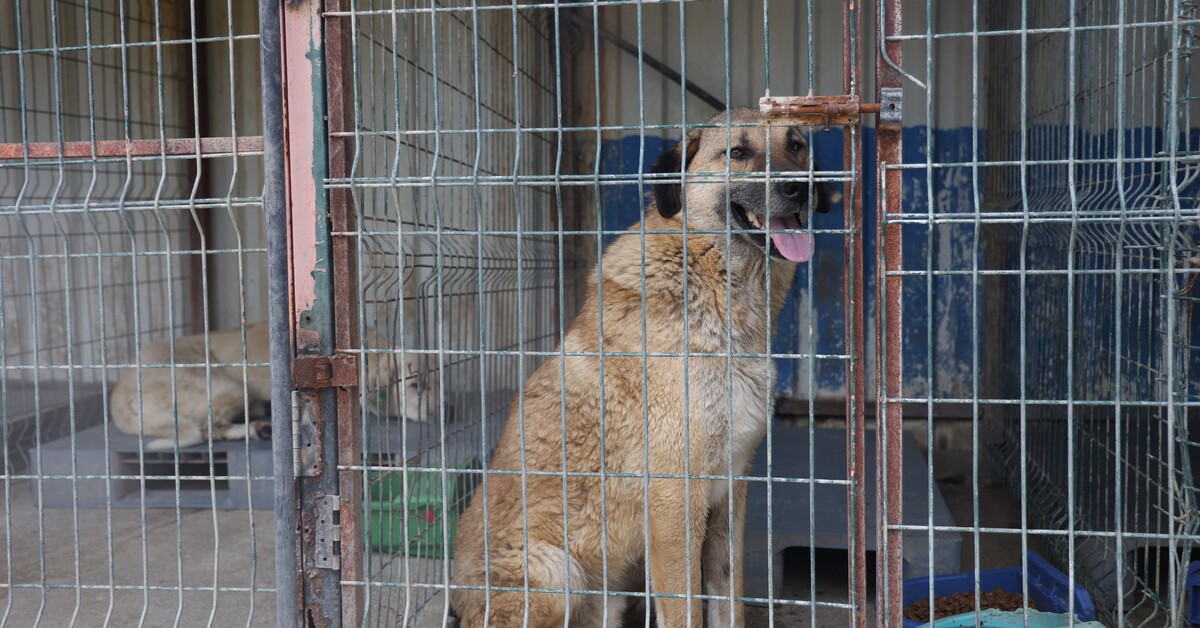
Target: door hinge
{"x": 306, "y": 451}
{"x": 328, "y": 550}
{"x": 326, "y": 371}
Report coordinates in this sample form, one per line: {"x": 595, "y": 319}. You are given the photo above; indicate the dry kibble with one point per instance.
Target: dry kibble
{"x": 950, "y": 605}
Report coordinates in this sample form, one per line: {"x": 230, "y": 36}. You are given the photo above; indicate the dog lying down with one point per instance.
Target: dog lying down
{"x": 240, "y": 407}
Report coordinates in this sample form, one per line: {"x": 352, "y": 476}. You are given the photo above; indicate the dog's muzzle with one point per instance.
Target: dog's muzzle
{"x": 788, "y": 238}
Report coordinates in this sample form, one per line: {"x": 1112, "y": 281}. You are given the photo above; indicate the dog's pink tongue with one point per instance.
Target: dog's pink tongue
{"x": 797, "y": 247}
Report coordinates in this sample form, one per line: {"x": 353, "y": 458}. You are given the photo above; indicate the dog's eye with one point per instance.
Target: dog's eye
{"x": 736, "y": 153}
{"x": 795, "y": 146}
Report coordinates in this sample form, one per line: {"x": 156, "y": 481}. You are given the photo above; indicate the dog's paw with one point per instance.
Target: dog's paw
{"x": 261, "y": 430}
{"x": 161, "y": 444}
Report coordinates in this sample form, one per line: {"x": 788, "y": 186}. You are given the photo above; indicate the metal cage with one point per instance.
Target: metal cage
{"x": 459, "y": 261}
{"x": 130, "y": 176}
{"x": 1099, "y": 221}
{"x": 992, "y": 354}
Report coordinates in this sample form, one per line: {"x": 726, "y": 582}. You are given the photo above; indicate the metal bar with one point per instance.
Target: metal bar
{"x": 87, "y": 149}
{"x": 275, "y": 191}
{"x": 855, "y": 304}
{"x": 311, "y": 316}
{"x": 200, "y": 232}
{"x": 199, "y": 271}
{"x": 340, "y": 112}
{"x": 888, "y": 343}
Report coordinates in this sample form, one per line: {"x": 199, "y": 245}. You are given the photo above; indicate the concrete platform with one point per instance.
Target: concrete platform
{"x": 98, "y": 475}
{"x": 828, "y": 526}
{"x": 235, "y": 475}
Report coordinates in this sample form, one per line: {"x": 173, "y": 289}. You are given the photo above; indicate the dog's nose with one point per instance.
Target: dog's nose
{"x": 793, "y": 190}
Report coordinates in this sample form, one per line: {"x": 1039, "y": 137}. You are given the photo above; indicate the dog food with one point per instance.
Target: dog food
{"x": 951, "y": 605}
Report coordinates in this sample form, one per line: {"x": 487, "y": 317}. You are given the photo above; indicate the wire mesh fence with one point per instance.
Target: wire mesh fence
{"x": 497, "y": 153}
{"x": 116, "y": 207}
{"x": 467, "y": 278}
{"x": 469, "y": 198}
{"x": 1055, "y": 281}
{"x": 1105, "y": 394}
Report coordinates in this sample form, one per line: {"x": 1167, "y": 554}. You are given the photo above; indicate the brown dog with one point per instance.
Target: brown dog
{"x": 674, "y": 414}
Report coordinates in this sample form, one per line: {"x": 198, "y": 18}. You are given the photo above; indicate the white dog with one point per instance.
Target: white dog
{"x": 239, "y": 407}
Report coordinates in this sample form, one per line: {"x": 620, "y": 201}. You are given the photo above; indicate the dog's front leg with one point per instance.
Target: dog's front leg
{"x": 720, "y": 568}
{"x": 677, "y": 527}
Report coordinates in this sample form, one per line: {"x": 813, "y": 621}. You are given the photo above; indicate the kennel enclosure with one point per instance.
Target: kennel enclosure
{"x": 1006, "y": 284}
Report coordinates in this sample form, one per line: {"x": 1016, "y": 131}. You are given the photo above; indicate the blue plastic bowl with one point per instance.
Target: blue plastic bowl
{"x": 1047, "y": 587}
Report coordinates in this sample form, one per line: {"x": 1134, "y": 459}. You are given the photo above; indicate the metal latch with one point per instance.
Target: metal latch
{"x": 827, "y": 111}
{"x": 823, "y": 111}
{"x": 326, "y": 371}
{"x": 328, "y": 548}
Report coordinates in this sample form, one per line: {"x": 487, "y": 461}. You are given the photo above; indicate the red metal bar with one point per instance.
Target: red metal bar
{"x": 855, "y": 305}
{"x": 340, "y": 92}
{"x": 206, "y": 146}
{"x": 888, "y": 318}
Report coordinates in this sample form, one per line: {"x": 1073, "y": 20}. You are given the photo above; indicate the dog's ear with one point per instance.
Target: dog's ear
{"x": 668, "y": 195}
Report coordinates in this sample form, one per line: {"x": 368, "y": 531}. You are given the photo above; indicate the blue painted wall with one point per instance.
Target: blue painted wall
{"x": 944, "y": 343}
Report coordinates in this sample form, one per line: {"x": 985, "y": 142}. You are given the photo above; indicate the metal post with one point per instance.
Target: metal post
{"x": 311, "y": 313}
{"x": 279, "y": 313}
{"x": 340, "y": 121}
{"x": 888, "y": 312}
{"x": 855, "y": 303}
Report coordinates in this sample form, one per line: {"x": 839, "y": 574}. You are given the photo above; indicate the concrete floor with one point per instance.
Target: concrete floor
{"x": 97, "y": 573}
{"x": 123, "y": 585}
{"x": 998, "y": 508}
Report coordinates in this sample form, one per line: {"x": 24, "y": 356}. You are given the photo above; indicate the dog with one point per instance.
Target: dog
{"x": 239, "y": 400}
{"x": 728, "y": 254}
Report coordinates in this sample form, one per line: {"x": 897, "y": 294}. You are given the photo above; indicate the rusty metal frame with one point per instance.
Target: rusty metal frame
{"x": 847, "y": 110}
{"x": 852, "y": 157}
{"x": 888, "y": 322}
{"x": 324, "y": 304}
{"x": 343, "y": 220}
